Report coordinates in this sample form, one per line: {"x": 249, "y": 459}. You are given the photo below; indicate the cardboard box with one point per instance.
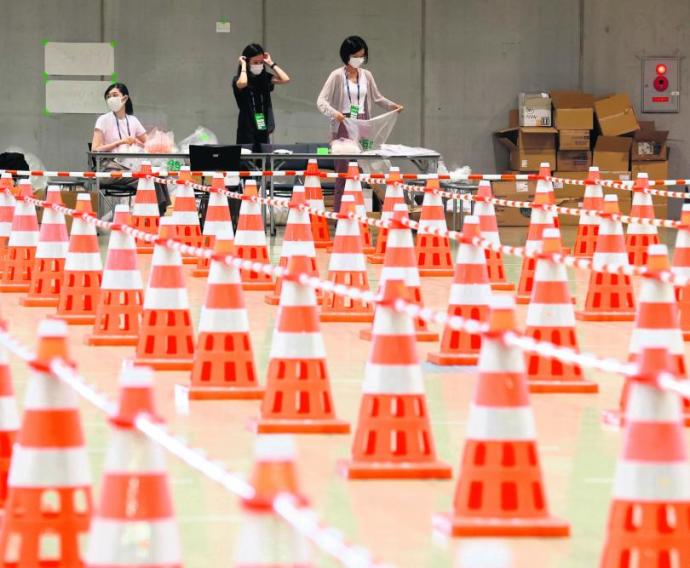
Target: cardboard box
{"x": 573, "y": 110}
{"x": 649, "y": 145}
{"x": 612, "y": 153}
{"x": 529, "y": 147}
{"x": 513, "y": 118}
{"x": 615, "y": 115}
{"x": 574, "y": 160}
{"x": 655, "y": 170}
{"x": 574, "y": 139}
{"x": 569, "y": 195}
{"x": 525, "y": 189}
{"x": 513, "y": 216}
{"x": 534, "y": 109}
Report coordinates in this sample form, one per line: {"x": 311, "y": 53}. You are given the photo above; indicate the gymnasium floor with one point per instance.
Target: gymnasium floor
{"x": 391, "y": 518}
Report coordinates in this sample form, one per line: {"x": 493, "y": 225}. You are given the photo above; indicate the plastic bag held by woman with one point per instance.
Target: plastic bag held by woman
{"x": 160, "y": 142}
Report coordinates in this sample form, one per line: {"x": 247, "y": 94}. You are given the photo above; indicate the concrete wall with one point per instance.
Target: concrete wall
{"x": 456, "y": 65}
{"x": 616, "y": 35}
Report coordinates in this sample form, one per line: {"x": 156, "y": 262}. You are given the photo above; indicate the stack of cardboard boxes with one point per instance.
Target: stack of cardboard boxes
{"x": 560, "y": 128}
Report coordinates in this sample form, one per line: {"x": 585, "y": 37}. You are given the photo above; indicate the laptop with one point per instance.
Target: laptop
{"x": 214, "y": 157}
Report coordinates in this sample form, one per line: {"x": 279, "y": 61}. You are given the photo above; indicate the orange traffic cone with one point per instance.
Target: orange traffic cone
{"x": 297, "y": 240}
{"x": 639, "y": 237}
{"x": 347, "y": 266}
{"x": 551, "y": 317}
{"x": 49, "y": 264}
{"x": 250, "y": 240}
{"x": 681, "y": 267}
{"x": 433, "y": 252}
{"x": 186, "y": 218}
{"x": 319, "y": 223}
{"x": 401, "y": 264}
{"x": 166, "y": 338}
{"x": 488, "y": 226}
{"x": 49, "y": 497}
{"x": 145, "y": 212}
{"x": 609, "y": 296}
{"x": 217, "y": 219}
{"x": 298, "y": 392}
{"x": 118, "y": 315}
{"x": 7, "y": 183}
{"x": 353, "y": 187}
{"x": 588, "y": 227}
{"x": 500, "y": 491}
{"x": 545, "y": 186}
{"x": 224, "y": 359}
{"x": 470, "y": 295}
{"x": 657, "y": 319}
{"x": 7, "y": 206}
{"x": 394, "y": 195}
{"x": 134, "y": 522}
{"x": 21, "y": 248}
{"x": 393, "y": 439}
{"x": 9, "y": 423}
{"x": 539, "y": 220}
{"x": 81, "y": 284}
{"x": 265, "y": 540}
{"x": 649, "y": 516}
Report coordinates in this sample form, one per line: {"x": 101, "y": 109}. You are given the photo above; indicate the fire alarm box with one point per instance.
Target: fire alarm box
{"x": 660, "y": 84}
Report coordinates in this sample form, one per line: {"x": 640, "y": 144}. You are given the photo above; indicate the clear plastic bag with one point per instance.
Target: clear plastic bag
{"x": 200, "y": 137}
{"x": 160, "y": 142}
{"x": 345, "y": 146}
{"x": 371, "y": 133}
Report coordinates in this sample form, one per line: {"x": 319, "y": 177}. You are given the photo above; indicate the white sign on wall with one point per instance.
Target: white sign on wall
{"x": 78, "y": 96}
{"x": 75, "y": 97}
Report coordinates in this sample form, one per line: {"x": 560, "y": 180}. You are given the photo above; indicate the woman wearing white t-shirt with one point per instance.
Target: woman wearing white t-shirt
{"x": 350, "y": 91}
{"x": 118, "y": 129}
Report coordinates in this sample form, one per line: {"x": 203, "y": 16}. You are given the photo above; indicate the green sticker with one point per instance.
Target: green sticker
{"x": 322, "y": 151}
{"x": 174, "y": 165}
{"x": 366, "y": 143}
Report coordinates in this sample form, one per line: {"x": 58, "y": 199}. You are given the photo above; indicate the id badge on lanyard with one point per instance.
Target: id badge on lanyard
{"x": 259, "y": 117}
{"x": 355, "y": 109}
{"x": 260, "y": 120}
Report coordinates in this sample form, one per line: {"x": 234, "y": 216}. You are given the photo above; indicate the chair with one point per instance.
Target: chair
{"x": 113, "y": 190}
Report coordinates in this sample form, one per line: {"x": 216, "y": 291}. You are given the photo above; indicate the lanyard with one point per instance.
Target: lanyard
{"x": 261, "y": 101}
{"x": 347, "y": 88}
{"x": 117, "y": 123}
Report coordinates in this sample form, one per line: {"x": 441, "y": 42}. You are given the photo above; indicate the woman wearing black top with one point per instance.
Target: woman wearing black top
{"x": 256, "y": 76}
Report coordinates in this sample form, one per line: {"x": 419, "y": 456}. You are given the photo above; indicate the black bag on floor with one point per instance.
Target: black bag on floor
{"x": 13, "y": 161}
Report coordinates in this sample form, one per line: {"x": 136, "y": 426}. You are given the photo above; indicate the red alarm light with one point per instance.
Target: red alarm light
{"x": 661, "y": 69}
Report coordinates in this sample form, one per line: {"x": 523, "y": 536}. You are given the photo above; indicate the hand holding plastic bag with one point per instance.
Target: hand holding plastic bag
{"x": 371, "y": 133}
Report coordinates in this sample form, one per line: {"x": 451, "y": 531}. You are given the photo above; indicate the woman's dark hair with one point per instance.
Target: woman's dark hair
{"x": 129, "y": 107}
{"x": 252, "y": 50}
{"x": 352, "y": 45}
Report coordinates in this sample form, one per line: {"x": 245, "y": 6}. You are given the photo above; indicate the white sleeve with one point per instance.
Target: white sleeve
{"x": 101, "y": 123}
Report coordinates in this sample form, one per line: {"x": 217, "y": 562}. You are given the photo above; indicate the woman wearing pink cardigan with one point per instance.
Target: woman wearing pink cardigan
{"x": 350, "y": 91}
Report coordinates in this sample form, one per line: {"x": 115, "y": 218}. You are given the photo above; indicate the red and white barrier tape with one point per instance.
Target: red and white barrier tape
{"x": 303, "y": 519}
{"x": 627, "y": 185}
{"x": 555, "y": 209}
{"x": 428, "y": 315}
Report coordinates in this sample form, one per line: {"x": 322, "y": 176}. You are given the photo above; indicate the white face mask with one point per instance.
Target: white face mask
{"x": 114, "y": 103}
{"x": 256, "y": 69}
{"x": 356, "y": 62}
